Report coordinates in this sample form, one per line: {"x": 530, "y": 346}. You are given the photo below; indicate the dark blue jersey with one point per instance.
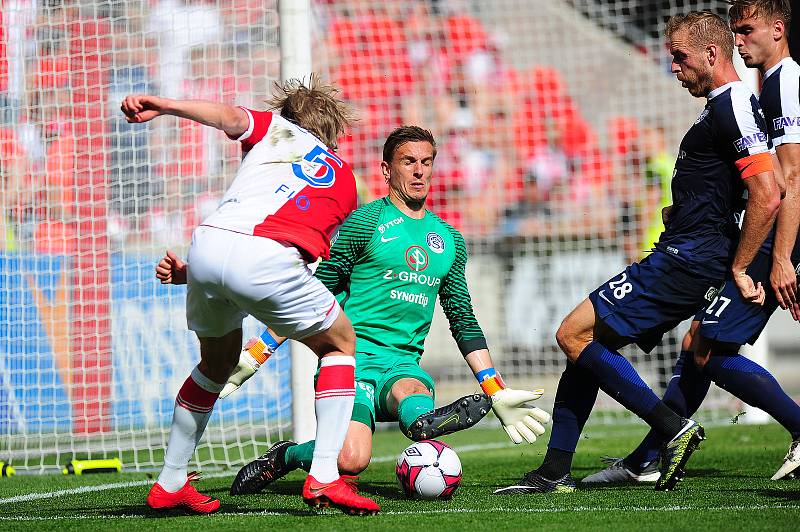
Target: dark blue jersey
{"x": 707, "y": 183}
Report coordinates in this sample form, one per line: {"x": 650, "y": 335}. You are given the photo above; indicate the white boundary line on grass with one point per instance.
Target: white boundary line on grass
{"x": 378, "y": 459}
{"x": 135, "y": 483}
{"x": 584, "y": 509}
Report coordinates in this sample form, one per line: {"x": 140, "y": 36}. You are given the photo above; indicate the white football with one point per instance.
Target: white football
{"x": 428, "y": 469}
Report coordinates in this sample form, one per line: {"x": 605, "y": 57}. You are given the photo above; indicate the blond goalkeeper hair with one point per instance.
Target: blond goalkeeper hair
{"x": 314, "y": 107}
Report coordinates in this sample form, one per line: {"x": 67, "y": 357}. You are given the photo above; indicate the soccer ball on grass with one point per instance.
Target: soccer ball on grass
{"x": 428, "y": 469}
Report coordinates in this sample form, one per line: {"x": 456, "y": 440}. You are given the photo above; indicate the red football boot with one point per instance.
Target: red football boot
{"x": 339, "y": 494}
{"x": 186, "y": 497}
{"x": 352, "y": 481}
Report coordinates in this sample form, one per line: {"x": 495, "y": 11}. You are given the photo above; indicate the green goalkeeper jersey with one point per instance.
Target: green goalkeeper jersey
{"x": 386, "y": 270}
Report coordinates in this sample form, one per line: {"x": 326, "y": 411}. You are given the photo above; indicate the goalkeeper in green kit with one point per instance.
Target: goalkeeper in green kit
{"x": 390, "y": 261}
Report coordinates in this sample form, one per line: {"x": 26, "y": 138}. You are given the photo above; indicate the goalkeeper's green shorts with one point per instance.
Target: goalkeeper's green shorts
{"x": 379, "y": 373}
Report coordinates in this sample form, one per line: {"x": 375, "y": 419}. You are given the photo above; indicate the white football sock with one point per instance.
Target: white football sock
{"x": 193, "y": 407}
{"x": 335, "y": 394}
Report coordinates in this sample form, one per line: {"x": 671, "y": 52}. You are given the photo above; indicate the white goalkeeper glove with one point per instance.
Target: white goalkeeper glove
{"x": 255, "y": 353}
{"x": 519, "y": 420}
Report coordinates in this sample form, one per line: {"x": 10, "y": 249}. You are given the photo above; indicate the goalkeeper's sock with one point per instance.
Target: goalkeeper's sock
{"x": 411, "y": 407}
{"x": 556, "y": 464}
{"x": 193, "y": 407}
{"x": 575, "y": 397}
{"x": 685, "y": 393}
{"x": 620, "y": 380}
{"x": 335, "y": 394}
{"x": 755, "y": 386}
{"x": 299, "y": 456}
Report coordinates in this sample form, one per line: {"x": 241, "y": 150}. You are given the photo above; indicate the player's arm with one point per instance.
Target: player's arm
{"x": 232, "y": 120}
{"x": 254, "y": 354}
{"x": 762, "y": 207}
{"x": 520, "y": 421}
{"x": 783, "y": 276}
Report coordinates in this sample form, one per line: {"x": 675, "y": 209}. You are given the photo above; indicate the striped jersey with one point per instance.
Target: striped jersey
{"x": 707, "y": 184}
{"x": 387, "y": 270}
{"x": 780, "y": 99}
{"x": 289, "y": 187}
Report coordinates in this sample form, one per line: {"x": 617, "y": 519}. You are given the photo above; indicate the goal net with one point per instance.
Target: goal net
{"x": 557, "y": 125}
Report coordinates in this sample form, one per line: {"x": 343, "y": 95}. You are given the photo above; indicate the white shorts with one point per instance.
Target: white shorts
{"x": 231, "y": 275}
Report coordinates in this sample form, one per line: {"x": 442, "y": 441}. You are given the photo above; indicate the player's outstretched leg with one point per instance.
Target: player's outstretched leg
{"x": 791, "y": 462}
{"x": 263, "y": 471}
{"x": 458, "y": 415}
{"x": 676, "y": 453}
{"x": 757, "y": 387}
{"x": 685, "y": 392}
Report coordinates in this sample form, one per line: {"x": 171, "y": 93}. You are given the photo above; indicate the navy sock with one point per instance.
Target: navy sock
{"x": 685, "y": 393}
{"x": 755, "y": 386}
{"x": 556, "y": 464}
{"x": 619, "y": 379}
{"x": 575, "y": 397}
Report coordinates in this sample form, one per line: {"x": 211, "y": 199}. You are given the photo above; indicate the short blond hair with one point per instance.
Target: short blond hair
{"x": 704, "y": 28}
{"x": 314, "y": 107}
{"x": 744, "y": 9}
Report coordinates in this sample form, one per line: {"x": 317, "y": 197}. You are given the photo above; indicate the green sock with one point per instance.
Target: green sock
{"x": 299, "y": 456}
{"x": 412, "y": 407}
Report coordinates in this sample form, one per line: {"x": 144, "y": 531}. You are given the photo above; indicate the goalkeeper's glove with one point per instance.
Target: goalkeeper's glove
{"x": 255, "y": 353}
{"x": 520, "y": 421}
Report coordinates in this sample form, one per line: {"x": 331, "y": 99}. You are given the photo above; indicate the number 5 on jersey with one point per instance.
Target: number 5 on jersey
{"x": 318, "y": 168}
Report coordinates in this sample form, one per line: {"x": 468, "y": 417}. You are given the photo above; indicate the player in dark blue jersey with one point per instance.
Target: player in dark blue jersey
{"x": 711, "y": 347}
{"x": 724, "y": 152}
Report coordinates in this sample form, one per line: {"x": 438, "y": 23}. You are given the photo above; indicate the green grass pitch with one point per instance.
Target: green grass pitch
{"x": 727, "y": 488}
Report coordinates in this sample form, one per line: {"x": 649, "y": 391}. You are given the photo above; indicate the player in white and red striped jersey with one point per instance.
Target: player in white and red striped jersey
{"x": 251, "y": 257}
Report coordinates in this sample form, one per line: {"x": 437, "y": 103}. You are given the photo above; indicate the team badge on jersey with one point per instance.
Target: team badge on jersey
{"x": 435, "y": 242}
{"x": 416, "y": 258}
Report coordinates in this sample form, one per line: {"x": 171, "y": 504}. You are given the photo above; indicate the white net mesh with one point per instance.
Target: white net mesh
{"x": 93, "y": 348}
{"x": 557, "y": 124}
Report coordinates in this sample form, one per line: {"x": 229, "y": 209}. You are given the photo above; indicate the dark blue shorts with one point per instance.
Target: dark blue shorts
{"x": 730, "y": 318}
{"x": 652, "y": 297}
